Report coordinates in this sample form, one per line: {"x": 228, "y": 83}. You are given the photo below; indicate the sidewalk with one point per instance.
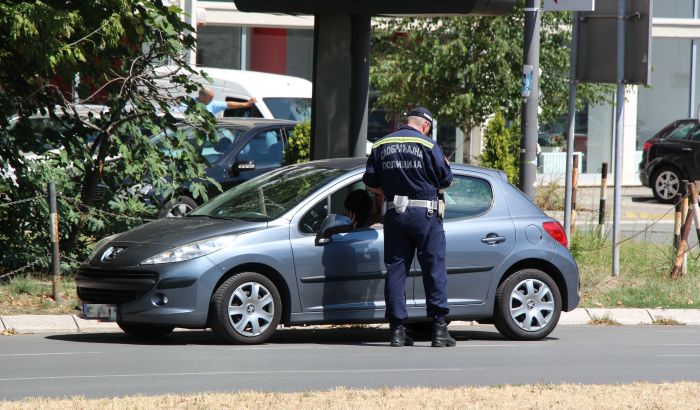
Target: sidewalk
{"x": 23, "y": 324}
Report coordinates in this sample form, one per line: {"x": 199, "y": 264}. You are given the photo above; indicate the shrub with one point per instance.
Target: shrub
{"x": 501, "y": 148}
{"x": 299, "y": 148}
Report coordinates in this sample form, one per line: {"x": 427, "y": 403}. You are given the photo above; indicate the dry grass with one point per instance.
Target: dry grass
{"x": 603, "y": 321}
{"x": 667, "y": 322}
{"x": 29, "y": 294}
{"x": 682, "y": 395}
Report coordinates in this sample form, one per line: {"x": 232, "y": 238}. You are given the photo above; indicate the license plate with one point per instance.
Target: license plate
{"x": 103, "y": 312}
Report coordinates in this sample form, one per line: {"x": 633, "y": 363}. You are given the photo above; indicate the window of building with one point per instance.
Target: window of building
{"x": 219, "y": 47}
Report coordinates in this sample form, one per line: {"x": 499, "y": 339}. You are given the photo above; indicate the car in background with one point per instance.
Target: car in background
{"x": 246, "y": 148}
{"x": 669, "y": 157}
{"x": 278, "y": 249}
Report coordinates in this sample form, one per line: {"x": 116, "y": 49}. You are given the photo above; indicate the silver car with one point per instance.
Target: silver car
{"x": 278, "y": 249}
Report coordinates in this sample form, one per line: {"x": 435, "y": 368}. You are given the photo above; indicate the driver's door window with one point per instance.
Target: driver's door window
{"x": 264, "y": 148}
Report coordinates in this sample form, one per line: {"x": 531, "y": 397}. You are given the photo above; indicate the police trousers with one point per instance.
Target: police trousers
{"x": 421, "y": 230}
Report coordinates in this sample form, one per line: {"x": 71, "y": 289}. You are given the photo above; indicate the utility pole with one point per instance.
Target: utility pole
{"x": 530, "y": 94}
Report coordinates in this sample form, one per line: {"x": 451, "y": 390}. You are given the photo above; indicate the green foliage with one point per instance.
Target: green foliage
{"x": 299, "y": 147}
{"x": 466, "y": 68}
{"x": 501, "y": 148}
{"x": 26, "y": 285}
{"x": 113, "y": 46}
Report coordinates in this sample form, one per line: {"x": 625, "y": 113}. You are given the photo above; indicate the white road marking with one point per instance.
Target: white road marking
{"x": 269, "y": 372}
{"x": 45, "y": 354}
{"x": 678, "y": 355}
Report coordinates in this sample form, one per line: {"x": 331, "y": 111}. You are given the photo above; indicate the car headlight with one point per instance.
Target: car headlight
{"x": 99, "y": 244}
{"x": 191, "y": 250}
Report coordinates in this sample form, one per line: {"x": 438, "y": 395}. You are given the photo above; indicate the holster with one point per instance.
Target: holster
{"x": 400, "y": 203}
{"x": 441, "y": 204}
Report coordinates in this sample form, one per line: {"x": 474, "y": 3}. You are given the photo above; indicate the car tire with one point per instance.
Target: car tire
{"x": 178, "y": 208}
{"x": 145, "y": 331}
{"x": 528, "y": 305}
{"x": 246, "y": 309}
{"x": 665, "y": 184}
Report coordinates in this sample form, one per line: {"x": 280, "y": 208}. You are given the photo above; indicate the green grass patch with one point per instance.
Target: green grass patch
{"x": 643, "y": 281}
{"x": 33, "y": 294}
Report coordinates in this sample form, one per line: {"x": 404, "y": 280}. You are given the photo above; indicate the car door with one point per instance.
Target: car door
{"x": 673, "y": 144}
{"x": 690, "y": 147}
{"x": 264, "y": 148}
{"x": 346, "y": 274}
{"x": 480, "y": 235}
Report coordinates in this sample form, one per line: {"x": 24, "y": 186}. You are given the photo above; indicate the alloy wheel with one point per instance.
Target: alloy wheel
{"x": 667, "y": 185}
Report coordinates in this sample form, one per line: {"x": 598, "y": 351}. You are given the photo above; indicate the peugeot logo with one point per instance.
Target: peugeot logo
{"x": 112, "y": 253}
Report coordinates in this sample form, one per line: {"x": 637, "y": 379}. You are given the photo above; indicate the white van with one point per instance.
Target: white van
{"x": 278, "y": 96}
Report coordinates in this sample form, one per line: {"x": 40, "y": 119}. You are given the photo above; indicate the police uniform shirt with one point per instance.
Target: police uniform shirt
{"x": 407, "y": 163}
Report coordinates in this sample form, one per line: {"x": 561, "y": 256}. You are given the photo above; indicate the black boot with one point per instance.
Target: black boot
{"x": 441, "y": 337}
{"x": 399, "y": 338}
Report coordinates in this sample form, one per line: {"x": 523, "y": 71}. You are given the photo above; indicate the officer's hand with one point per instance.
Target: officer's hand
{"x": 447, "y": 161}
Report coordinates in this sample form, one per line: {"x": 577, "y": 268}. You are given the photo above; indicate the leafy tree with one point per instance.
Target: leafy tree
{"x": 113, "y": 47}
{"x": 466, "y": 68}
{"x": 501, "y": 147}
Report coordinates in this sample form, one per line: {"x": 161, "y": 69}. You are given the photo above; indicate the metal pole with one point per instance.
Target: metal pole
{"x": 53, "y": 236}
{"x": 603, "y": 199}
{"x": 572, "y": 126}
{"x": 619, "y": 115}
{"x": 190, "y": 18}
{"x": 693, "y": 66}
{"x": 530, "y": 94}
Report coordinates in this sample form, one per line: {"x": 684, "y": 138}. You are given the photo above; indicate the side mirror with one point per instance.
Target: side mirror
{"x": 333, "y": 224}
{"x": 240, "y": 166}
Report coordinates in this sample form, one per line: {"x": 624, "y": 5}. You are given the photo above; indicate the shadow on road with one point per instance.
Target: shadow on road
{"x": 340, "y": 336}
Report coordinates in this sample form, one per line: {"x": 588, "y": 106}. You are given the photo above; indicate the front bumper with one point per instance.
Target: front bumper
{"x": 140, "y": 291}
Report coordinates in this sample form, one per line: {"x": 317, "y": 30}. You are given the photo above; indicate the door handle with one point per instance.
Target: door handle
{"x": 687, "y": 149}
{"x": 493, "y": 239}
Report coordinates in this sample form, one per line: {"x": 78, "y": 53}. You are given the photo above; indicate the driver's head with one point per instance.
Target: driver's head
{"x": 359, "y": 203}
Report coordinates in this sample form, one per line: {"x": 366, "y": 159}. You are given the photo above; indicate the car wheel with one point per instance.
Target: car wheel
{"x": 246, "y": 309}
{"x": 145, "y": 331}
{"x": 178, "y": 208}
{"x": 666, "y": 184}
{"x": 528, "y": 305}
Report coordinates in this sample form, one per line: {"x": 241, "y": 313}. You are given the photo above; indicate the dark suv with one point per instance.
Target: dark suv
{"x": 247, "y": 147}
{"x": 669, "y": 157}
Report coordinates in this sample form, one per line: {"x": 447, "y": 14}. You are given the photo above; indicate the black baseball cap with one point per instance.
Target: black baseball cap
{"x": 423, "y": 113}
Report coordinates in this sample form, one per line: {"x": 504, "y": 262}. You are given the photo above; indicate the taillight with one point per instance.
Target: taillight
{"x": 646, "y": 146}
{"x": 556, "y": 231}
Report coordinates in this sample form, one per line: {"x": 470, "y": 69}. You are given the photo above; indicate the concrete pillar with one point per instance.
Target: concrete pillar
{"x": 341, "y": 80}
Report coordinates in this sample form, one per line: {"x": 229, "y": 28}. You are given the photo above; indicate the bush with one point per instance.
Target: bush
{"x": 501, "y": 147}
{"x": 299, "y": 148}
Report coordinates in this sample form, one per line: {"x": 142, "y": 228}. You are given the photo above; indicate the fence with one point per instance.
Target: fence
{"x": 53, "y": 257}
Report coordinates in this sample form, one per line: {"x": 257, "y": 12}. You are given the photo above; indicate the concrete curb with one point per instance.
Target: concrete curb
{"x": 23, "y": 324}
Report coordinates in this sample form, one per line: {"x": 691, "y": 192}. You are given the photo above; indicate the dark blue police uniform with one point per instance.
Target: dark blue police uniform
{"x": 407, "y": 163}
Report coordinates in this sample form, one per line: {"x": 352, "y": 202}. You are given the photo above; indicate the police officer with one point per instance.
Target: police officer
{"x": 409, "y": 168}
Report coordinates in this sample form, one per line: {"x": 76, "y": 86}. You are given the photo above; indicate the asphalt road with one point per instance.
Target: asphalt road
{"x": 112, "y": 364}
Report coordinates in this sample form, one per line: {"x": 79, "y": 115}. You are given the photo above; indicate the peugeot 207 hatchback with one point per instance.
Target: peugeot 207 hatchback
{"x": 278, "y": 249}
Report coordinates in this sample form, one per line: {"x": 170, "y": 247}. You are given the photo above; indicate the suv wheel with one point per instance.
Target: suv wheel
{"x": 246, "y": 309}
{"x": 666, "y": 184}
{"x": 528, "y": 305}
{"x": 178, "y": 208}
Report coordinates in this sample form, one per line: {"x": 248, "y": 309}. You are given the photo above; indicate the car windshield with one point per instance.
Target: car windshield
{"x": 268, "y": 196}
{"x": 295, "y": 109}
{"x": 211, "y": 151}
